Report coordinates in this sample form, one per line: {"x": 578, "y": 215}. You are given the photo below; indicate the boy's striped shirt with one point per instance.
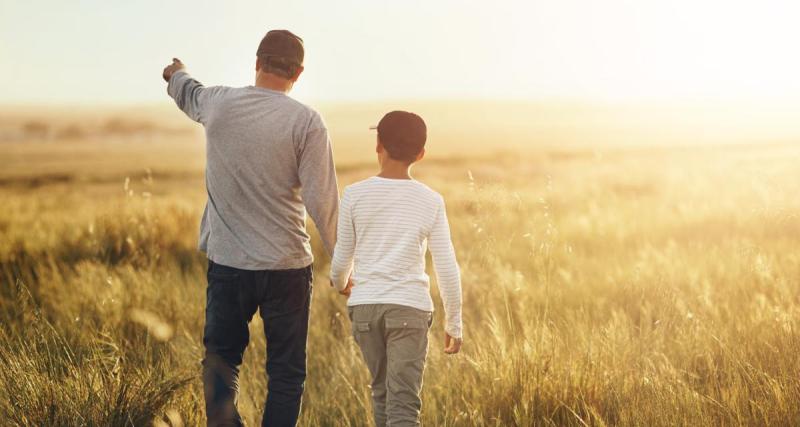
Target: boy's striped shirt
{"x": 385, "y": 226}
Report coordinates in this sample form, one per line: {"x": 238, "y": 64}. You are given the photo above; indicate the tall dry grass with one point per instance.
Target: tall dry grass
{"x": 643, "y": 287}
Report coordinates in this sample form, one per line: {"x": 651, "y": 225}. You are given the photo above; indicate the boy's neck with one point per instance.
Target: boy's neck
{"x": 395, "y": 170}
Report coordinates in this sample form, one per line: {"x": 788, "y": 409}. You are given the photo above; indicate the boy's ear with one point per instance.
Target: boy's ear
{"x": 420, "y": 155}
{"x": 379, "y": 147}
{"x": 258, "y": 65}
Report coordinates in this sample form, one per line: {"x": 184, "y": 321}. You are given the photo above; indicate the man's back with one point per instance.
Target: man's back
{"x": 267, "y": 156}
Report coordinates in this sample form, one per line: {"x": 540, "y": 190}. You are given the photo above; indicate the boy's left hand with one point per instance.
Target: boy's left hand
{"x": 451, "y": 345}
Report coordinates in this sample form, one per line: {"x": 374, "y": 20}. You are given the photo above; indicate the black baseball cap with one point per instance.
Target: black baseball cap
{"x": 403, "y": 134}
{"x": 282, "y": 44}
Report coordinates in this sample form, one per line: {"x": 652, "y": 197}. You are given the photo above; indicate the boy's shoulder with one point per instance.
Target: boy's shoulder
{"x": 430, "y": 192}
{"x": 375, "y": 182}
{"x": 358, "y": 186}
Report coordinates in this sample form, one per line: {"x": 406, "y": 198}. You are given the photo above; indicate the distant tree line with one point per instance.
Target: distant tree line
{"x": 39, "y": 130}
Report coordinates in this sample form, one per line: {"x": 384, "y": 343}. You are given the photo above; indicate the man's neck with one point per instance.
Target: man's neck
{"x": 273, "y": 82}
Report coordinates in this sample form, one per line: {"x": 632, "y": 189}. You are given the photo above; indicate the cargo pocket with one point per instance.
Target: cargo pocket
{"x": 408, "y": 338}
{"x": 407, "y": 324}
{"x": 359, "y": 329}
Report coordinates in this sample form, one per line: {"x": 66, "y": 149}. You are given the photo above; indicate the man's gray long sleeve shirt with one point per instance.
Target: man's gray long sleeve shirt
{"x": 267, "y": 157}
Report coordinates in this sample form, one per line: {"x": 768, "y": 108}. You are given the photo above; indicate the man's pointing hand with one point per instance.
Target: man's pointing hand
{"x": 170, "y": 69}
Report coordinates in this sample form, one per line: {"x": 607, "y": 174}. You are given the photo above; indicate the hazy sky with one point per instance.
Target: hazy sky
{"x": 112, "y": 51}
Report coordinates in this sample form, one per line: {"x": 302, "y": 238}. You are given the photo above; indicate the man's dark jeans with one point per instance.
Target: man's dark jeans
{"x": 233, "y": 296}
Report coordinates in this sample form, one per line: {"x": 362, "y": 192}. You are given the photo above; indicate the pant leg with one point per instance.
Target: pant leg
{"x": 368, "y": 332}
{"x": 285, "y": 310}
{"x": 229, "y": 308}
{"x": 406, "y": 350}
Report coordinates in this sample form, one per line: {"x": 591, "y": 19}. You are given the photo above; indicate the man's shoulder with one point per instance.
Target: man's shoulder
{"x": 288, "y": 104}
{"x": 300, "y": 106}
{"x": 221, "y": 89}
{"x": 314, "y": 118}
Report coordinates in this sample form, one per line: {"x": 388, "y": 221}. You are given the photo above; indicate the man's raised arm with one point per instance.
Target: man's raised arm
{"x": 189, "y": 94}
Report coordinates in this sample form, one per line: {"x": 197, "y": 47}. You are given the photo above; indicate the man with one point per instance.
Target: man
{"x": 267, "y": 156}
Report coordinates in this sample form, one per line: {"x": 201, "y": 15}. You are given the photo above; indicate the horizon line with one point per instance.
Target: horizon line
{"x": 538, "y": 101}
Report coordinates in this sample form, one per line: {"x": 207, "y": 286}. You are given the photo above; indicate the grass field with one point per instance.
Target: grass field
{"x": 604, "y": 284}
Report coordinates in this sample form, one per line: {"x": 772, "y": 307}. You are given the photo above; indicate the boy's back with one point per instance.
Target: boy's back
{"x": 393, "y": 221}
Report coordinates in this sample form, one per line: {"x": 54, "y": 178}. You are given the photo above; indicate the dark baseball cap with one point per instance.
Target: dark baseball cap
{"x": 403, "y": 134}
{"x": 282, "y": 44}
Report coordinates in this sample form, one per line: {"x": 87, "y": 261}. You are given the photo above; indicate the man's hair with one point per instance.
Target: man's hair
{"x": 281, "y": 52}
{"x": 403, "y": 135}
{"x": 282, "y": 67}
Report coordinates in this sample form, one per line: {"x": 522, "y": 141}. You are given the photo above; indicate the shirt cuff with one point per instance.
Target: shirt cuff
{"x": 454, "y": 331}
{"x": 176, "y": 73}
{"x": 172, "y": 81}
{"x": 339, "y": 281}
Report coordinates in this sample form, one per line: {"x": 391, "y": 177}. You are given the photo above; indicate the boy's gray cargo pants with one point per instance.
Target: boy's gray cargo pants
{"x": 394, "y": 341}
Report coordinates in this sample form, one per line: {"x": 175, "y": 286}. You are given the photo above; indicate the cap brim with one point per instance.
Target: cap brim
{"x": 373, "y": 128}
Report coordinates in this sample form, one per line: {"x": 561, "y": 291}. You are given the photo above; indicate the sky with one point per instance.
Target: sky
{"x": 113, "y": 51}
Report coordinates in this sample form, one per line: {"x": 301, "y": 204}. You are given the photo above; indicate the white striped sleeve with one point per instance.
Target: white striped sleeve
{"x": 447, "y": 274}
{"x": 342, "y": 262}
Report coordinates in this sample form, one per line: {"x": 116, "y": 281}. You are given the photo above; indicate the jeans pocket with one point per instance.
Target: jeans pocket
{"x": 224, "y": 326}
{"x": 288, "y": 290}
{"x": 221, "y": 272}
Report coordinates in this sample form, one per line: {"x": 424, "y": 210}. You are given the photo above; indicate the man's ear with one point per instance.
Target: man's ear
{"x": 378, "y": 146}
{"x": 258, "y": 65}
{"x": 297, "y": 73}
{"x": 420, "y": 155}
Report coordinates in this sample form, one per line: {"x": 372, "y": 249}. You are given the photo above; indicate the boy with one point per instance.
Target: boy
{"x": 385, "y": 223}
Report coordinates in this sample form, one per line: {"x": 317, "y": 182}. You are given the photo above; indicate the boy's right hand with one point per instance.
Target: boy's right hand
{"x": 349, "y": 288}
{"x": 451, "y": 345}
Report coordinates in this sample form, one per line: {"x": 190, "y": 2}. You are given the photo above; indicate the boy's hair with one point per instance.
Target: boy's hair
{"x": 403, "y": 135}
